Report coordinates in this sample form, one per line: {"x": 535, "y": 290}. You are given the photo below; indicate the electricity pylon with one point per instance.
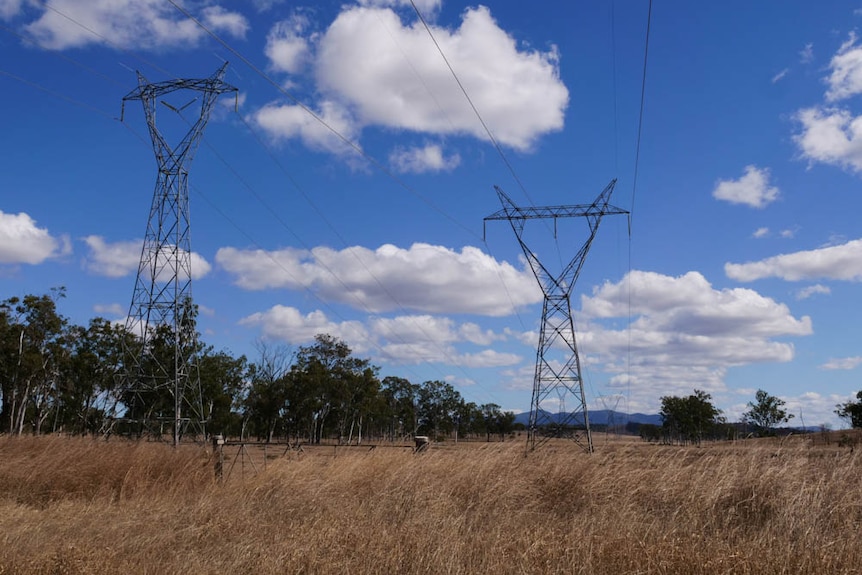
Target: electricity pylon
{"x": 162, "y": 381}
{"x": 554, "y": 381}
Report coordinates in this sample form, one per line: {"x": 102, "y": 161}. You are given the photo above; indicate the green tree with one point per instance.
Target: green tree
{"x": 496, "y": 421}
{"x": 89, "y": 387}
{"x": 400, "y": 397}
{"x": 222, "y": 382}
{"x": 851, "y": 411}
{"x": 267, "y": 402}
{"x": 766, "y": 412}
{"x": 689, "y": 419}
{"x": 333, "y": 392}
{"x": 33, "y": 337}
{"x": 438, "y": 403}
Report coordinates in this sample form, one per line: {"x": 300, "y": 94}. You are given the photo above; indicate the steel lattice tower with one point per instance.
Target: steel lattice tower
{"x": 553, "y": 381}
{"x": 162, "y": 379}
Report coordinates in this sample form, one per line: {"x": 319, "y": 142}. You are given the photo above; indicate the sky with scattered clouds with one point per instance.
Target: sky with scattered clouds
{"x": 343, "y": 189}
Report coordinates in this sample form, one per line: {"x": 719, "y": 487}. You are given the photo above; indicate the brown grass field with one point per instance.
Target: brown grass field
{"x": 758, "y": 506}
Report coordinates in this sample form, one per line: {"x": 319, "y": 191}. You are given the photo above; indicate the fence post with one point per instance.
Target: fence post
{"x": 218, "y": 453}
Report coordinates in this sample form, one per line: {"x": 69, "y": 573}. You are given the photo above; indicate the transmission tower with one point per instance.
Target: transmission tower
{"x": 557, "y": 382}
{"x": 162, "y": 381}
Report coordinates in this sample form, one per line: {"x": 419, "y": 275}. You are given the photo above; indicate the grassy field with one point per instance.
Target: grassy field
{"x": 86, "y": 506}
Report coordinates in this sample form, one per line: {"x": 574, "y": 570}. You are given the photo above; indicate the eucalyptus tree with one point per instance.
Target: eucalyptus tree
{"x": 400, "y": 397}
{"x": 689, "y": 419}
{"x": 438, "y": 405}
{"x": 766, "y": 412}
{"x": 851, "y": 411}
{"x": 33, "y": 337}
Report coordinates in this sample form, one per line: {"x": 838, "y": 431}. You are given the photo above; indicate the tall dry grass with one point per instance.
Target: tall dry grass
{"x": 75, "y": 506}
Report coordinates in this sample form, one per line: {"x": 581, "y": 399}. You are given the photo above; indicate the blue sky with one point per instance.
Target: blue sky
{"x": 743, "y": 266}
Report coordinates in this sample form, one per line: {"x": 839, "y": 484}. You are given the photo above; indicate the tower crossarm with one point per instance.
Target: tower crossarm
{"x": 597, "y": 209}
{"x": 172, "y": 159}
{"x": 563, "y": 282}
{"x": 556, "y": 378}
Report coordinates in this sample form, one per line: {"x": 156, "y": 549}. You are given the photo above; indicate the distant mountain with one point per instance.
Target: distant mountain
{"x": 598, "y": 417}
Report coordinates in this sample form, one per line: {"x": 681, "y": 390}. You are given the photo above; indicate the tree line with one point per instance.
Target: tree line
{"x": 59, "y": 377}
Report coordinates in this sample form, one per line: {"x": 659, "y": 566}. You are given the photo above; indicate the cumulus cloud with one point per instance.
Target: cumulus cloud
{"x": 128, "y": 24}
{"x": 119, "y": 259}
{"x": 390, "y": 75}
{"x": 845, "y": 79}
{"x": 761, "y": 232}
{"x": 684, "y": 334}
{"x": 10, "y": 8}
{"x": 407, "y": 339}
{"x": 812, "y": 290}
{"x": 288, "y": 324}
{"x": 425, "y": 6}
{"x": 23, "y": 242}
{"x": 842, "y": 363}
{"x": 841, "y": 262}
{"x": 427, "y": 278}
{"x": 830, "y": 136}
{"x": 113, "y": 309}
{"x": 112, "y": 260}
{"x": 751, "y": 189}
{"x": 287, "y": 121}
{"x": 426, "y": 159}
{"x": 286, "y": 46}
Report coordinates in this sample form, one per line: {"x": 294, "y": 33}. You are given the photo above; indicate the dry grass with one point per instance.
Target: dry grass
{"x": 76, "y": 506}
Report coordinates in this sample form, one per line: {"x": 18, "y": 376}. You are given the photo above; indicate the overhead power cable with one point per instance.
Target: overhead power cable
{"x": 344, "y": 139}
{"x": 634, "y": 191}
{"x": 472, "y": 105}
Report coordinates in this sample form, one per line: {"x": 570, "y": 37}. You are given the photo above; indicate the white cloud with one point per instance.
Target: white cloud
{"x": 22, "y": 242}
{"x": 113, "y": 309}
{"x": 787, "y": 234}
{"x": 290, "y": 325}
{"x": 830, "y": 136}
{"x": 427, "y": 278}
{"x": 488, "y": 358}
{"x": 264, "y": 5}
{"x": 842, "y": 262}
{"x": 780, "y": 75}
{"x": 751, "y": 189}
{"x": 286, "y": 46}
{"x": 391, "y": 75}
{"x": 419, "y": 160}
{"x": 761, "y": 233}
{"x": 806, "y": 55}
{"x": 842, "y": 363}
{"x": 846, "y": 77}
{"x": 113, "y": 260}
{"x": 284, "y": 122}
{"x": 233, "y": 23}
{"x": 812, "y": 290}
{"x": 128, "y": 24}
{"x": 425, "y": 6}
{"x": 10, "y": 8}
{"x": 405, "y": 340}
{"x": 120, "y": 259}
{"x": 685, "y": 334}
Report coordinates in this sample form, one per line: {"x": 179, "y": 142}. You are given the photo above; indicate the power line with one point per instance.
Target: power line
{"x": 641, "y": 113}
{"x": 445, "y": 354}
{"x": 328, "y": 269}
{"x": 344, "y": 139}
{"x": 472, "y": 105}
{"x": 634, "y": 191}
